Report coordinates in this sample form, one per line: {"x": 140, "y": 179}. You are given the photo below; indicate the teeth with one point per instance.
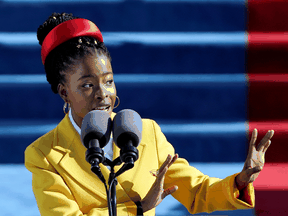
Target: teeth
{"x": 103, "y": 108}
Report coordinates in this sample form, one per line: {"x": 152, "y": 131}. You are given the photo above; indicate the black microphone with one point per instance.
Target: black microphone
{"x": 95, "y": 134}
{"x": 127, "y": 134}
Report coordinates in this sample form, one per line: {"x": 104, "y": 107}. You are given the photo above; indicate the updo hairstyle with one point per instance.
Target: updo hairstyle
{"x": 66, "y": 54}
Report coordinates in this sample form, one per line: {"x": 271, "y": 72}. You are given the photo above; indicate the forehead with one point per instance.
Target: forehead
{"x": 95, "y": 65}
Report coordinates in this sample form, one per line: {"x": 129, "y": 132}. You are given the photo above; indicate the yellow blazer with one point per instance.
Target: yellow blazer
{"x": 63, "y": 183}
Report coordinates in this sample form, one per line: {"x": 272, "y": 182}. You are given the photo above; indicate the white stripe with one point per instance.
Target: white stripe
{"x": 205, "y": 128}
{"x": 151, "y": 38}
{"x": 26, "y": 130}
{"x": 218, "y": 170}
{"x": 197, "y": 128}
{"x": 165, "y": 38}
{"x": 201, "y": 1}
{"x": 23, "y": 79}
{"x": 180, "y": 78}
{"x": 140, "y": 78}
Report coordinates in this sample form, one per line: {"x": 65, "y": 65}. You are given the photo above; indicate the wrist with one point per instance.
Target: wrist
{"x": 239, "y": 184}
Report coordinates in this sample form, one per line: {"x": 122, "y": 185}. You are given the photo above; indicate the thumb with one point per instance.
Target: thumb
{"x": 169, "y": 191}
{"x": 253, "y": 170}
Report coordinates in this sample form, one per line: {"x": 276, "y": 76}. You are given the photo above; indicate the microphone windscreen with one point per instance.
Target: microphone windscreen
{"x": 96, "y": 125}
{"x": 127, "y": 126}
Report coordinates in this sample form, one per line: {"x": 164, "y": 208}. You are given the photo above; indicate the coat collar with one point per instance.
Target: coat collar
{"x": 68, "y": 152}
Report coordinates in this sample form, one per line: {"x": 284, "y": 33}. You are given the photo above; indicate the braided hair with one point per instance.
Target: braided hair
{"x": 66, "y": 54}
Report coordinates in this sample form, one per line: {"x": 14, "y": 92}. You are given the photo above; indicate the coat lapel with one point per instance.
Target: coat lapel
{"x": 128, "y": 179}
{"x": 68, "y": 153}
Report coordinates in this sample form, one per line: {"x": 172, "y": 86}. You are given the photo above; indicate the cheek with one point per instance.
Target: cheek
{"x": 80, "y": 97}
{"x": 113, "y": 93}
{"x": 112, "y": 90}
{"x": 80, "y": 101}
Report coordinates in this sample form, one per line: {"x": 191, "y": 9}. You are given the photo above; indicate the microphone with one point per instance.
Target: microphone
{"x": 127, "y": 134}
{"x": 95, "y": 134}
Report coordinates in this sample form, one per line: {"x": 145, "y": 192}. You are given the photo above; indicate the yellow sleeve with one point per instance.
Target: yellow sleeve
{"x": 53, "y": 196}
{"x": 196, "y": 191}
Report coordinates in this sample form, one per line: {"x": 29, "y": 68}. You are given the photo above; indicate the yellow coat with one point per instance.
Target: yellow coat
{"x": 63, "y": 183}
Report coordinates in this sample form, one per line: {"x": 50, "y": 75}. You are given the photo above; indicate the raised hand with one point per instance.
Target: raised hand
{"x": 157, "y": 193}
{"x": 255, "y": 159}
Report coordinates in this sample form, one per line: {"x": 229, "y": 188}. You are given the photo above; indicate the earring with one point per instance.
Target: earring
{"x": 117, "y": 103}
{"x": 65, "y": 106}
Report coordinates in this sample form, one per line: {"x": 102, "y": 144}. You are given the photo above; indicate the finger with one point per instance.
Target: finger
{"x": 254, "y": 135}
{"x": 266, "y": 146}
{"x": 272, "y": 133}
{"x": 265, "y": 139}
{"x": 248, "y": 164}
{"x": 169, "y": 191}
{"x": 167, "y": 161}
{"x": 253, "y": 170}
{"x": 252, "y": 141}
{"x": 173, "y": 160}
{"x": 160, "y": 176}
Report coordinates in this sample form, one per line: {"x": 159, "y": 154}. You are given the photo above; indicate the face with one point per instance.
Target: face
{"x": 89, "y": 86}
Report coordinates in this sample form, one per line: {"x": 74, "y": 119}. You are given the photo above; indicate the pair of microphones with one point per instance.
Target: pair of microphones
{"x": 96, "y": 130}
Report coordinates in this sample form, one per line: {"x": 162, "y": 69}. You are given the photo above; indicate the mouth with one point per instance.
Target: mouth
{"x": 103, "y": 108}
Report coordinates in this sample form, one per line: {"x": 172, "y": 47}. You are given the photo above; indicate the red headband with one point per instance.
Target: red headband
{"x": 67, "y": 30}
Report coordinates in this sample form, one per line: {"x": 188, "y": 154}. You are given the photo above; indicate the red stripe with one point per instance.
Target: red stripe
{"x": 261, "y": 2}
{"x": 280, "y": 127}
{"x": 273, "y": 177}
{"x": 278, "y": 78}
{"x": 267, "y": 39}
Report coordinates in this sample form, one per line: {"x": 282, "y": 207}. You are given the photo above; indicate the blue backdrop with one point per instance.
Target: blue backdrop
{"x": 181, "y": 63}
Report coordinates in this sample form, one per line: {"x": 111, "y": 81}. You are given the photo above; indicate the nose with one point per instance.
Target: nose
{"x": 101, "y": 93}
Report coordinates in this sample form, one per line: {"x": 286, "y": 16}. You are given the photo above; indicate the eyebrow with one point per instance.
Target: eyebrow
{"x": 89, "y": 75}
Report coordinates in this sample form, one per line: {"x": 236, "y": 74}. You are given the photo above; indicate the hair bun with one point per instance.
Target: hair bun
{"x": 53, "y": 20}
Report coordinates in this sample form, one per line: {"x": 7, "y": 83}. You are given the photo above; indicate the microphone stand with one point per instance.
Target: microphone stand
{"x": 112, "y": 181}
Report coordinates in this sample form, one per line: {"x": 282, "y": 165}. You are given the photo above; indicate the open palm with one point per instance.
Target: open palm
{"x": 255, "y": 159}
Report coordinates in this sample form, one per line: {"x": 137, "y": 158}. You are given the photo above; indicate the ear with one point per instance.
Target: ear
{"x": 62, "y": 92}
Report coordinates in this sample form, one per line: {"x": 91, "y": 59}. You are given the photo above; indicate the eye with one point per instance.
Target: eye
{"x": 110, "y": 82}
{"x": 87, "y": 85}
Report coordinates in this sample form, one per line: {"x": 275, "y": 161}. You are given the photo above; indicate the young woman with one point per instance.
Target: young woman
{"x": 78, "y": 68}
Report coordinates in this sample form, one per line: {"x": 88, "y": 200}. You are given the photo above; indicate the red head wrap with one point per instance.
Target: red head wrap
{"x": 67, "y": 30}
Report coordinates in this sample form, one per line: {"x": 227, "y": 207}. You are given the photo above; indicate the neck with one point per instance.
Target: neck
{"x": 78, "y": 120}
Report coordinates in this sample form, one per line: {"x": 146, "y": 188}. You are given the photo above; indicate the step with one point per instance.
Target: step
{"x": 267, "y": 52}
{"x": 271, "y": 190}
{"x": 267, "y": 101}
{"x": 196, "y": 56}
{"x": 196, "y": 142}
{"x": 131, "y": 15}
{"x": 16, "y": 190}
{"x": 267, "y": 15}
{"x": 177, "y": 97}
{"x": 267, "y": 60}
{"x": 278, "y": 148}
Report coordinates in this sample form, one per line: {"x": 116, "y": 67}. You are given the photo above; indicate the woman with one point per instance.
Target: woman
{"x": 78, "y": 68}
